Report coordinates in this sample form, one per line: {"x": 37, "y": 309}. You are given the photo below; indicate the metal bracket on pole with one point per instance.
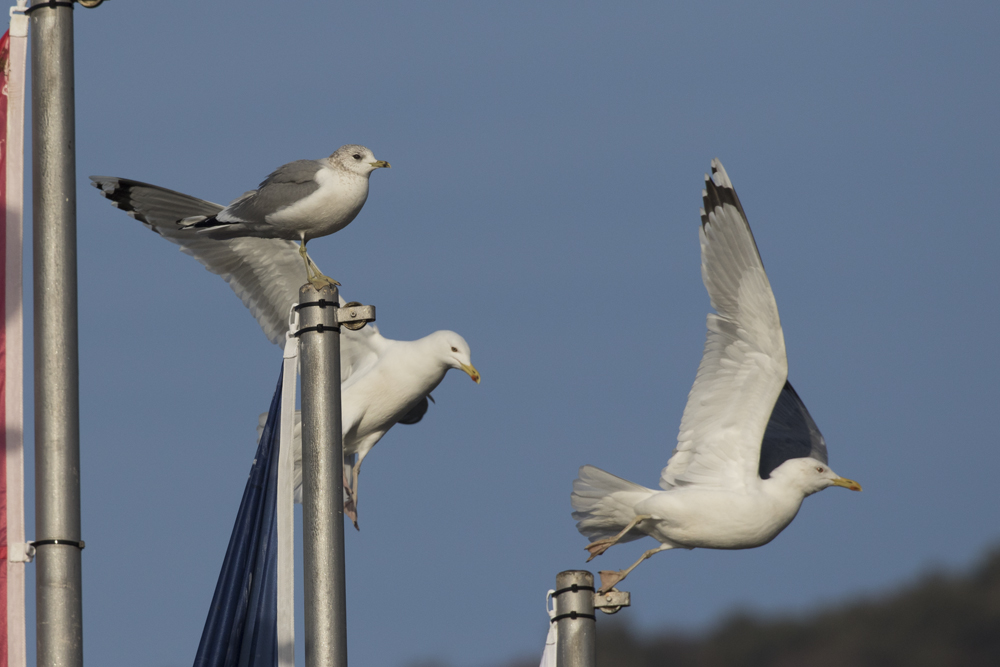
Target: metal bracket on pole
{"x": 354, "y": 316}
{"x": 612, "y": 601}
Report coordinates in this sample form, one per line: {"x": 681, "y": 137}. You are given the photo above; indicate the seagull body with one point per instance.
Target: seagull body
{"x": 391, "y": 385}
{"x": 383, "y": 381}
{"x": 299, "y": 201}
{"x": 748, "y": 451}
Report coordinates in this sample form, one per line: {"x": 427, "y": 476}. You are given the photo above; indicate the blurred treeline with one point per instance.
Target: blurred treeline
{"x": 941, "y": 620}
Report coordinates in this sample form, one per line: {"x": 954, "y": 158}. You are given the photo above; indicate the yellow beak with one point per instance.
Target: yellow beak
{"x": 847, "y": 484}
{"x": 471, "y": 370}
{"x": 380, "y": 163}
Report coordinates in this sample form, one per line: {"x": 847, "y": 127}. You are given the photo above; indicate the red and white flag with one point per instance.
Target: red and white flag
{"x": 14, "y": 553}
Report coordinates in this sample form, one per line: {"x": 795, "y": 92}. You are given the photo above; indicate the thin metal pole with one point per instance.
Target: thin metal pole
{"x": 574, "y": 599}
{"x": 322, "y": 480}
{"x": 59, "y": 608}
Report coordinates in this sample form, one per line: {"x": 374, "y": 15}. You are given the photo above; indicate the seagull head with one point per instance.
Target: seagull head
{"x": 357, "y": 159}
{"x": 454, "y": 352}
{"x": 810, "y": 475}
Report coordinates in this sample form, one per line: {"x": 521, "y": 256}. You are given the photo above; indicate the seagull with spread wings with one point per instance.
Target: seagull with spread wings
{"x": 748, "y": 451}
{"x": 299, "y": 201}
{"x": 384, "y": 382}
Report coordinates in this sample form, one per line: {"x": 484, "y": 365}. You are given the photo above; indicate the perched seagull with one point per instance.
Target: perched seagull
{"x": 383, "y": 382}
{"x": 298, "y": 201}
{"x": 748, "y": 451}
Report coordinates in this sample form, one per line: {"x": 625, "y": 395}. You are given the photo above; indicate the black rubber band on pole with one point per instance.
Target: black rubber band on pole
{"x": 70, "y": 543}
{"x": 319, "y": 328}
{"x": 573, "y": 615}
{"x": 51, "y": 4}
{"x": 322, "y": 303}
{"x": 575, "y": 588}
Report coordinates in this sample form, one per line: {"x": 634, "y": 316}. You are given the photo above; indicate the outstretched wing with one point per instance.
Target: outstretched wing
{"x": 160, "y": 209}
{"x": 265, "y": 274}
{"x": 791, "y": 434}
{"x": 743, "y": 367}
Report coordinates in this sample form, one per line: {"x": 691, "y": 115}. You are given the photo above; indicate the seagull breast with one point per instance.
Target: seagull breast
{"x": 331, "y": 207}
{"x": 380, "y": 397}
{"x": 693, "y": 517}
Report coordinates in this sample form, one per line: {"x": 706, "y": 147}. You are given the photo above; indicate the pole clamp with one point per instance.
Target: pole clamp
{"x": 352, "y": 315}
{"x": 612, "y": 601}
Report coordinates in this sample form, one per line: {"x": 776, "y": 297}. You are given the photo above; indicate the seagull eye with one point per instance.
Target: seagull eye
{"x": 819, "y": 469}
{"x": 357, "y": 157}
{"x": 454, "y": 349}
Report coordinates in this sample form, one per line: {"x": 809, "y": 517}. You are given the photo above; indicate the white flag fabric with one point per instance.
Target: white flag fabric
{"x": 549, "y": 654}
{"x": 286, "y": 507}
{"x": 14, "y": 550}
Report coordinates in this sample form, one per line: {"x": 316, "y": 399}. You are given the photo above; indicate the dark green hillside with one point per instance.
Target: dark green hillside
{"x": 938, "y": 621}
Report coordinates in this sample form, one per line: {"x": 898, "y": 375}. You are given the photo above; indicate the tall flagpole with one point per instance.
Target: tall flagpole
{"x": 324, "y": 567}
{"x": 322, "y": 480}
{"x": 59, "y": 607}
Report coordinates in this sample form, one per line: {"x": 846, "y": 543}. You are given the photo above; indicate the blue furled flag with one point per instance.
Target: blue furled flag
{"x": 241, "y": 629}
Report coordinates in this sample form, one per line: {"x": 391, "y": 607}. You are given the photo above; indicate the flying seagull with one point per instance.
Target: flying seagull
{"x": 298, "y": 201}
{"x": 383, "y": 382}
{"x": 748, "y": 451}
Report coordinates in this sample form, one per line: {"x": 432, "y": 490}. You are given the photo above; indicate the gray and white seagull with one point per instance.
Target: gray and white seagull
{"x": 299, "y": 201}
{"x": 748, "y": 451}
{"x": 384, "y": 382}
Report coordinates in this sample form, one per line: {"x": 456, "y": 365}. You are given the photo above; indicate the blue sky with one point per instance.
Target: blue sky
{"x": 543, "y": 202}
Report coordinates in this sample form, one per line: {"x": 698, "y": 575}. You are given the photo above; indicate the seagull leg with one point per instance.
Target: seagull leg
{"x": 354, "y": 494}
{"x": 351, "y": 490}
{"x": 598, "y": 547}
{"x": 610, "y": 578}
{"x": 351, "y": 499}
{"x": 350, "y": 504}
{"x": 313, "y": 274}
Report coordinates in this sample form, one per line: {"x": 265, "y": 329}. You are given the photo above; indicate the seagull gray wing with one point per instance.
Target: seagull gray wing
{"x": 285, "y": 186}
{"x": 264, "y": 273}
{"x": 791, "y": 434}
{"x": 744, "y": 367}
{"x": 160, "y": 209}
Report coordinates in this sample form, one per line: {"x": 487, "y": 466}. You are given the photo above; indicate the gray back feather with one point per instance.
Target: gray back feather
{"x": 791, "y": 434}
{"x": 288, "y": 184}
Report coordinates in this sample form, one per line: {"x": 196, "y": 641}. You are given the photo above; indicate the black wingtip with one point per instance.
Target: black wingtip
{"x": 716, "y": 195}
{"x": 117, "y": 190}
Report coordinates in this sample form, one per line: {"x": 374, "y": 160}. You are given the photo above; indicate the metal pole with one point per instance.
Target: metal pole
{"x": 574, "y": 602}
{"x": 59, "y": 608}
{"x": 322, "y": 480}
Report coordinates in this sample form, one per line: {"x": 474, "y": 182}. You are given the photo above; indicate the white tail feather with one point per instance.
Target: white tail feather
{"x": 604, "y": 503}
